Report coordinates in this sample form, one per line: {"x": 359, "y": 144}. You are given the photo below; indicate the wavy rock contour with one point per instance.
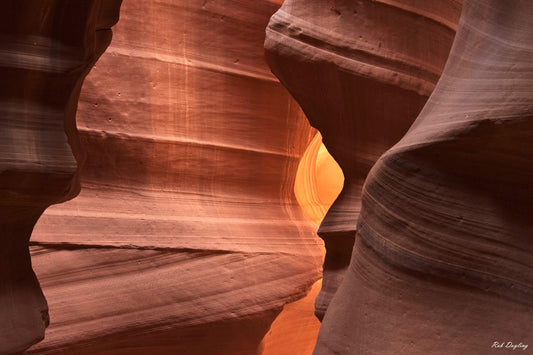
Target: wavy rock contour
{"x": 361, "y": 71}
{"x": 442, "y": 262}
{"x": 186, "y": 237}
{"x": 47, "y": 48}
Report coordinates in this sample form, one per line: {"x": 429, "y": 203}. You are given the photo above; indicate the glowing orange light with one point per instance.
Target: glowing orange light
{"x": 319, "y": 180}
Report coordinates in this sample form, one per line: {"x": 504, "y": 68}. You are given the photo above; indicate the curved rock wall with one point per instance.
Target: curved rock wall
{"x": 295, "y": 330}
{"x": 186, "y": 237}
{"x": 47, "y": 49}
{"x": 362, "y": 71}
{"x": 442, "y": 262}
{"x": 319, "y": 180}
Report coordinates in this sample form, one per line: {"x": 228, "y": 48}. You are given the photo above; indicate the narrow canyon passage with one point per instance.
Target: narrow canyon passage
{"x": 266, "y": 177}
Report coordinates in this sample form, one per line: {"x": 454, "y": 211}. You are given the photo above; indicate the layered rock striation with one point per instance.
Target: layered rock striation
{"x": 47, "y": 48}
{"x": 186, "y": 237}
{"x": 442, "y": 262}
{"x": 361, "y": 71}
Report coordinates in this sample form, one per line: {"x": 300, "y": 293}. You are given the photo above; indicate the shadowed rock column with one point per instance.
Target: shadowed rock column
{"x": 361, "y": 71}
{"x": 442, "y": 262}
{"x": 46, "y": 49}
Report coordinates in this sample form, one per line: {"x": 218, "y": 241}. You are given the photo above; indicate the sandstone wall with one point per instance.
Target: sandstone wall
{"x": 186, "y": 237}
{"x": 361, "y": 71}
{"x": 442, "y": 262}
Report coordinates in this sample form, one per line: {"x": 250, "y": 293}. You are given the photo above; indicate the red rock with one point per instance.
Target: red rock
{"x": 47, "y": 48}
{"x": 442, "y": 259}
{"x": 186, "y": 237}
{"x": 361, "y": 72}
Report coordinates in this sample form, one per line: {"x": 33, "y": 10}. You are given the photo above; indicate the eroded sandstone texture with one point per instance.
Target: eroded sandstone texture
{"x": 361, "y": 71}
{"x": 46, "y": 50}
{"x": 186, "y": 237}
{"x": 443, "y": 258}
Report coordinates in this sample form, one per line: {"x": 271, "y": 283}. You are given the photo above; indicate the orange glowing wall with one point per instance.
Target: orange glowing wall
{"x": 319, "y": 180}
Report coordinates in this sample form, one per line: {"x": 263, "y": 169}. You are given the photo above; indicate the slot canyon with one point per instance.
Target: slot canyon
{"x": 266, "y": 177}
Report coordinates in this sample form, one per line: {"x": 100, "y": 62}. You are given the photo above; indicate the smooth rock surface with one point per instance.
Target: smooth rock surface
{"x": 295, "y": 330}
{"x": 46, "y": 50}
{"x": 186, "y": 237}
{"x": 361, "y": 71}
{"x": 443, "y": 259}
{"x": 319, "y": 180}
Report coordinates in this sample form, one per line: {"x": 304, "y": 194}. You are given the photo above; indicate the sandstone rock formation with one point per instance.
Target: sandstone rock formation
{"x": 186, "y": 237}
{"x": 443, "y": 258}
{"x": 295, "y": 330}
{"x": 361, "y": 71}
{"x": 47, "y": 48}
{"x": 319, "y": 180}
